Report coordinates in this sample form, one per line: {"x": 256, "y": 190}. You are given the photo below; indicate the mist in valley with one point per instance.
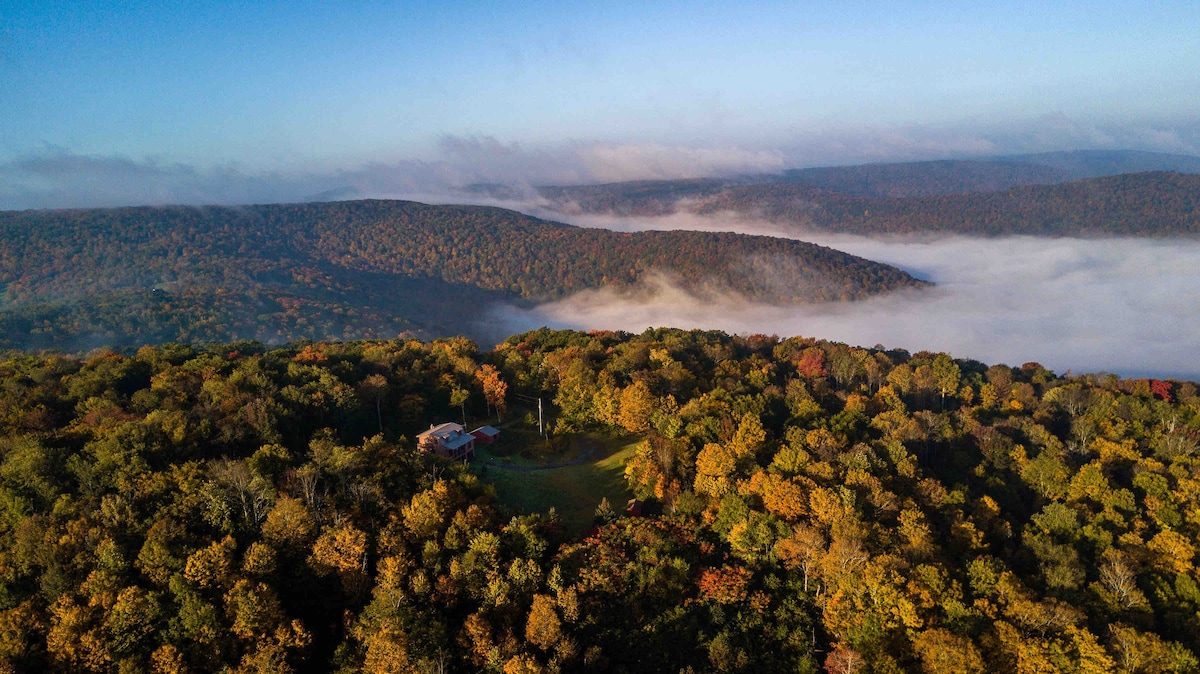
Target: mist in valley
{"x": 1129, "y": 306}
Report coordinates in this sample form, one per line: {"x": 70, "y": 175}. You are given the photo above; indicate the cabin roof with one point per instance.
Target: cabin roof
{"x": 442, "y": 431}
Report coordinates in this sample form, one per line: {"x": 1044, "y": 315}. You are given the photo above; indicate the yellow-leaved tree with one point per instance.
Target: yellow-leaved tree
{"x": 637, "y": 406}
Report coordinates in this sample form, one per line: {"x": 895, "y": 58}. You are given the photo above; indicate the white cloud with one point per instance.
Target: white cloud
{"x": 1130, "y": 306}
{"x": 56, "y": 177}
{"x": 589, "y": 162}
{"x": 620, "y": 162}
{"x": 887, "y": 144}
{"x": 1050, "y": 132}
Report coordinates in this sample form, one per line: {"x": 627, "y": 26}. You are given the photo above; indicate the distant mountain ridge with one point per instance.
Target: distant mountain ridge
{"x": 931, "y": 178}
{"x": 1140, "y": 204}
{"x": 359, "y": 269}
{"x": 1080, "y": 164}
{"x": 1052, "y": 194}
{"x": 926, "y": 178}
{"x": 906, "y": 179}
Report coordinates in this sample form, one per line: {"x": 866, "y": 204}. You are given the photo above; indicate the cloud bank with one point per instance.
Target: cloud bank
{"x": 56, "y": 177}
{"x": 1129, "y": 306}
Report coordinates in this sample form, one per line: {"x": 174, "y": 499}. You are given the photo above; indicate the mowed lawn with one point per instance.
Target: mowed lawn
{"x": 574, "y": 491}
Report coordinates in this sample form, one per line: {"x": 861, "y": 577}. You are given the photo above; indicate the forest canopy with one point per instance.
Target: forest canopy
{"x": 808, "y": 505}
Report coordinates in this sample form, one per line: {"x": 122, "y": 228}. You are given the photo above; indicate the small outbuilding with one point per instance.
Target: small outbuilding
{"x": 486, "y": 435}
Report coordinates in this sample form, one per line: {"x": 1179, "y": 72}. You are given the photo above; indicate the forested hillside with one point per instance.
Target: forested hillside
{"x": 1141, "y": 204}
{"x": 808, "y": 505}
{"x": 357, "y": 269}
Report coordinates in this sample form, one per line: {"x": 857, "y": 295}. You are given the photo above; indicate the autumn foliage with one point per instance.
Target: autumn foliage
{"x": 237, "y": 508}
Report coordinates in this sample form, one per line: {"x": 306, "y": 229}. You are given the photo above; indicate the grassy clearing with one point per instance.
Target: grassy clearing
{"x": 574, "y": 491}
{"x": 523, "y": 447}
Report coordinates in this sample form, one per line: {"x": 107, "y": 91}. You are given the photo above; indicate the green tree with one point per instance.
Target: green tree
{"x": 946, "y": 375}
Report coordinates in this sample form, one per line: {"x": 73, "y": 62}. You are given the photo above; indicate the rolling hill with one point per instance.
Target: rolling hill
{"x": 1158, "y": 203}
{"x": 359, "y": 269}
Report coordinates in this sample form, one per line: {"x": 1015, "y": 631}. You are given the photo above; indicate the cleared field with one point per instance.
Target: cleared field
{"x": 596, "y": 471}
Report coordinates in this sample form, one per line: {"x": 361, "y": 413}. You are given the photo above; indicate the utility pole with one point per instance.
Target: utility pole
{"x": 541, "y": 426}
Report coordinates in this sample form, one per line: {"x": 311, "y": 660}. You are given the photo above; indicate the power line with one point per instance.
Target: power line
{"x": 541, "y": 428}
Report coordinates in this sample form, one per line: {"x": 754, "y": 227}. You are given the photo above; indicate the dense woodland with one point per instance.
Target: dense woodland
{"x": 362, "y": 269}
{"x": 809, "y": 506}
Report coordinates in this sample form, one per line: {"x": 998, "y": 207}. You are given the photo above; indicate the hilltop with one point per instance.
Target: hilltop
{"x": 359, "y": 269}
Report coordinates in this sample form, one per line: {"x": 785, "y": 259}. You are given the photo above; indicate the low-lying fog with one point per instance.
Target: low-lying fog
{"x": 1129, "y": 306}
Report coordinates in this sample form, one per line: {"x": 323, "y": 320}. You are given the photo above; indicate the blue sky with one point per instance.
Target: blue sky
{"x": 304, "y": 91}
